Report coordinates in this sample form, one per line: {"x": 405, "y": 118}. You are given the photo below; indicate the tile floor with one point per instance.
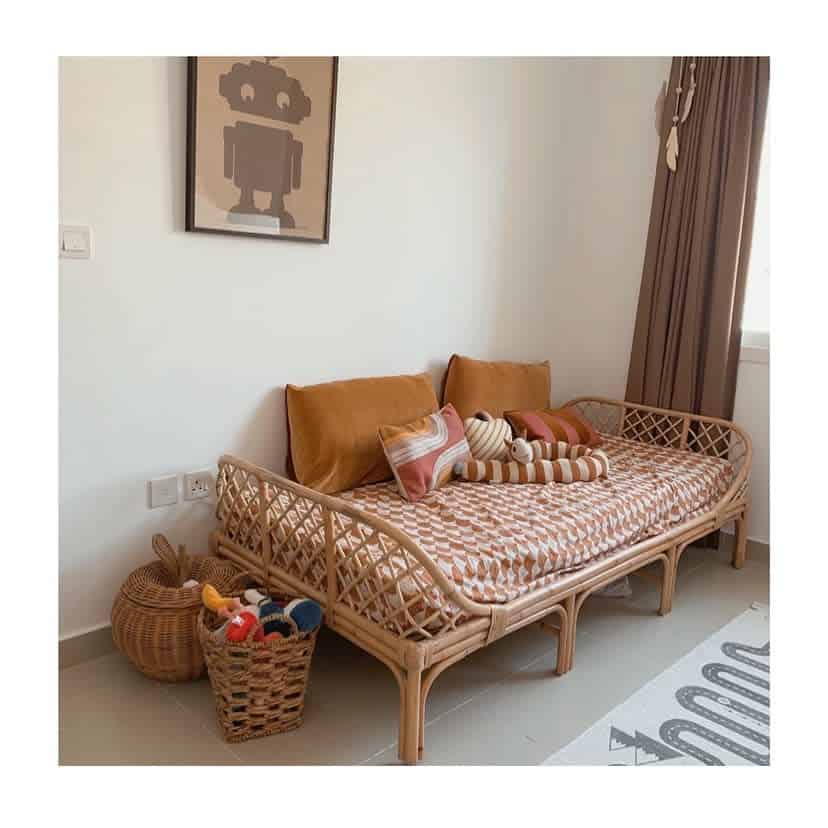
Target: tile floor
{"x": 502, "y": 705}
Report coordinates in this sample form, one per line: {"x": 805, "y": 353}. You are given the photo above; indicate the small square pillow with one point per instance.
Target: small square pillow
{"x": 422, "y": 454}
{"x": 554, "y": 425}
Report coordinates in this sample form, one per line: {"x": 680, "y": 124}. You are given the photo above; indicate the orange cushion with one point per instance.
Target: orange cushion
{"x": 332, "y": 427}
{"x": 554, "y": 424}
{"x": 472, "y": 385}
{"x": 422, "y": 454}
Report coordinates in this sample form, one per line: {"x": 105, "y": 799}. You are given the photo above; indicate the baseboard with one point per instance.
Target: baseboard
{"x": 84, "y": 647}
{"x": 756, "y": 550}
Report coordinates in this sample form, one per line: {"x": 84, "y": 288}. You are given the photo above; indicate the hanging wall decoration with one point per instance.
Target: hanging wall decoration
{"x": 260, "y": 146}
{"x": 672, "y": 145}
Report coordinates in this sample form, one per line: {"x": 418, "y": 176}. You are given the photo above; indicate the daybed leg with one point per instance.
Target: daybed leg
{"x": 212, "y": 542}
{"x": 668, "y": 585}
{"x": 421, "y": 728}
{"x": 410, "y": 717}
{"x": 566, "y": 636}
{"x": 563, "y": 632}
{"x": 573, "y": 610}
{"x": 740, "y": 544}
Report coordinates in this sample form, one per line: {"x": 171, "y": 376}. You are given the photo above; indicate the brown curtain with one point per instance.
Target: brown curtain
{"x": 688, "y": 328}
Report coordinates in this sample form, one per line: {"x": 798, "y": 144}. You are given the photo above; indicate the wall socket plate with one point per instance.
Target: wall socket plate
{"x": 163, "y": 491}
{"x": 198, "y": 484}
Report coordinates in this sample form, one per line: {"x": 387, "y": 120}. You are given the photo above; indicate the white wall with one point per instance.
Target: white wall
{"x": 610, "y": 149}
{"x": 752, "y": 410}
{"x": 490, "y": 207}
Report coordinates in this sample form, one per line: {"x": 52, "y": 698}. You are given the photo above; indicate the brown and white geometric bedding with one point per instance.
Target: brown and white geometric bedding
{"x": 498, "y": 541}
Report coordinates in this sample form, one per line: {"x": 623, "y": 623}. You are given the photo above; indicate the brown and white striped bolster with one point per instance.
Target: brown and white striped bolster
{"x": 541, "y": 450}
{"x": 580, "y": 470}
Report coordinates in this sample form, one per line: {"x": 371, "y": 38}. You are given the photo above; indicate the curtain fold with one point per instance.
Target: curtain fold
{"x": 688, "y": 326}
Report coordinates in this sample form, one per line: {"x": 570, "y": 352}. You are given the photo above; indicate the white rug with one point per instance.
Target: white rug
{"x": 710, "y": 708}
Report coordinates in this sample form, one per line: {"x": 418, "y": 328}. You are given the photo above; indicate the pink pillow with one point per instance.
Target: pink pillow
{"x": 422, "y": 454}
{"x": 554, "y": 425}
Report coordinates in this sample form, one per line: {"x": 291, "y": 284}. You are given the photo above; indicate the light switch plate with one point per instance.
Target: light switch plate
{"x": 75, "y": 241}
{"x": 163, "y": 491}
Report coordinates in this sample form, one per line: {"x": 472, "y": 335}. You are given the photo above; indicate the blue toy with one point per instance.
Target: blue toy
{"x": 306, "y": 614}
{"x": 278, "y": 624}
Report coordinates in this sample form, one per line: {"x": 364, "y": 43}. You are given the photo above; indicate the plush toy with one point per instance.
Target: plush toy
{"x": 522, "y": 451}
{"x": 277, "y": 624}
{"x": 240, "y": 619}
{"x": 305, "y": 613}
{"x": 239, "y": 626}
{"x": 519, "y": 450}
{"x": 539, "y": 462}
{"x": 253, "y": 596}
{"x": 485, "y": 435}
{"x": 225, "y": 607}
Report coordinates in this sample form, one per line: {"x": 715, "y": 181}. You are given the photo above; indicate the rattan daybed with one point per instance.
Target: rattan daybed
{"x": 386, "y": 587}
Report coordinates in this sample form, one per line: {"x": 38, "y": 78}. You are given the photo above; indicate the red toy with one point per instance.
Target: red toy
{"x": 239, "y": 626}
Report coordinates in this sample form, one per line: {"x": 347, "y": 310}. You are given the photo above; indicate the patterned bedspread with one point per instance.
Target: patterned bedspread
{"x": 498, "y": 541}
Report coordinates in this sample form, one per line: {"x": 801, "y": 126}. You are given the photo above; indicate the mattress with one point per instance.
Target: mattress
{"x": 496, "y": 542}
{"x": 499, "y": 541}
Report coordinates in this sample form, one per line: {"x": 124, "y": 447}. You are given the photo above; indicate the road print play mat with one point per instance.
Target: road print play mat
{"x": 710, "y": 708}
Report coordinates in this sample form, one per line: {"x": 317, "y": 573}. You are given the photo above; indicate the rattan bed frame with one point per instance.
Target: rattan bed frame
{"x": 328, "y": 560}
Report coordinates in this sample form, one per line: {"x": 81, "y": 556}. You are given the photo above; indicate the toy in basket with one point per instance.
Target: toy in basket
{"x": 258, "y": 658}
{"x": 155, "y": 613}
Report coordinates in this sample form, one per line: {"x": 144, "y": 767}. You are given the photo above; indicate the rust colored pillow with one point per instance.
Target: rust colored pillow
{"x": 422, "y": 454}
{"x": 472, "y": 385}
{"x": 332, "y": 427}
{"x": 553, "y": 425}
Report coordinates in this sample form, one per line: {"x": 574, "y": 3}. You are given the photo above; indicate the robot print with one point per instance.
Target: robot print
{"x": 269, "y": 121}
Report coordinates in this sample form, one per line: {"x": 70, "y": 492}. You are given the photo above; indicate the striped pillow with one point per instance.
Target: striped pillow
{"x": 486, "y": 436}
{"x": 422, "y": 454}
{"x": 554, "y": 425}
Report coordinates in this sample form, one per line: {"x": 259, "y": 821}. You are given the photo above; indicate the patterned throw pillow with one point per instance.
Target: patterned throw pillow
{"x": 554, "y": 425}
{"x": 422, "y": 454}
{"x": 486, "y": 436}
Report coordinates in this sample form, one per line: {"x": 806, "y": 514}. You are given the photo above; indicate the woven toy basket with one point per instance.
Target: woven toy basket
{"x": 154, "y": 621}
{"x": 259, "y": 686}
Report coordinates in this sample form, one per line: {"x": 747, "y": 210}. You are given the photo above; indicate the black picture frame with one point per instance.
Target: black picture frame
{"x": 192, "y": 115}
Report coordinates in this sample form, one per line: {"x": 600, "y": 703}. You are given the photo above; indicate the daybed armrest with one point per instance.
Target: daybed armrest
{"x": 355, "y": 564}
{"x": 676, "y": 429}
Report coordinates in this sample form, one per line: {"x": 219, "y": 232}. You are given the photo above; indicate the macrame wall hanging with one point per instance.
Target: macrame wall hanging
{"x": 672, "y": 147}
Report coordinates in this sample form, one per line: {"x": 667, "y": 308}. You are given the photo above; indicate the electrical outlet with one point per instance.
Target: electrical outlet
{"x": 163, "y": 491}
{"x": 198, "y": 484}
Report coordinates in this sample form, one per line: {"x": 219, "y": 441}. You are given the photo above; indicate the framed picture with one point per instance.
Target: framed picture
{"x": 260, "y": 146}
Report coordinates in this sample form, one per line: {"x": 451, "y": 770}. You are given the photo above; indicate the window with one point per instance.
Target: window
{"x": 756, "y": 315}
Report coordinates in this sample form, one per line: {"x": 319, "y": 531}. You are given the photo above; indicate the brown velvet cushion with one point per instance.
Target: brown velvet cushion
{"x": 472, "y": 385}
{"x": 332, "y": 427}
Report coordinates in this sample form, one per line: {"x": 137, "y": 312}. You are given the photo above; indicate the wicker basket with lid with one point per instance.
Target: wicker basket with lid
{"x": 154, "y": 619}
